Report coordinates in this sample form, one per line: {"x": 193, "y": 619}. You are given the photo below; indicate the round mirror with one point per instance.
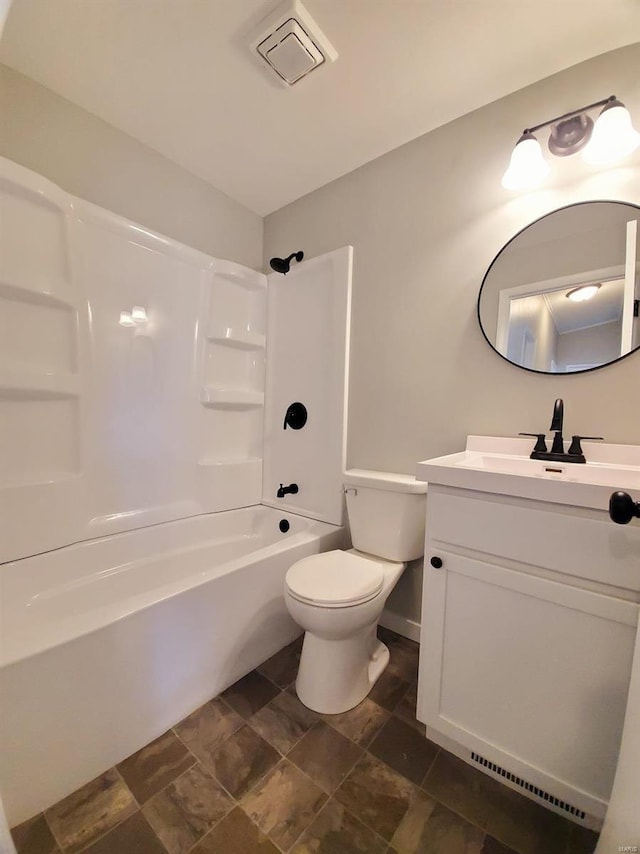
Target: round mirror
{"x": 562, "y": 296}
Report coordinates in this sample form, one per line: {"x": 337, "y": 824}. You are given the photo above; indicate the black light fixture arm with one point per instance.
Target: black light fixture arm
{"x": 571, "y": 113}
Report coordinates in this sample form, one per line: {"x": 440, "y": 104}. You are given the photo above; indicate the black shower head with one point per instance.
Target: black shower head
{"x": 282, "y": 265}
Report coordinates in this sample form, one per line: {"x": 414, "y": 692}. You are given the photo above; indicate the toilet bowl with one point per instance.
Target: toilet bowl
{"x": 338, "y": 596}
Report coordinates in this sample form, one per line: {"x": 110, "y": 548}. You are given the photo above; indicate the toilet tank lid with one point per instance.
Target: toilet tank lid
{"x": 384, "y": 480}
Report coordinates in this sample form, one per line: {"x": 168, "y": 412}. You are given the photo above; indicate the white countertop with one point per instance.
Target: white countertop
{"x": 501, "y": 465}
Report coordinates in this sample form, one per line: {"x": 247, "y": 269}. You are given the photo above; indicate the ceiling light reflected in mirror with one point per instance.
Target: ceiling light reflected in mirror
{"x": 583, "y": 293}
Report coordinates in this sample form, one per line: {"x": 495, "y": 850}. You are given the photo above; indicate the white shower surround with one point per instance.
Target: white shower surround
{"x": 106, "y": 427}
{"x": 140, "y": 576}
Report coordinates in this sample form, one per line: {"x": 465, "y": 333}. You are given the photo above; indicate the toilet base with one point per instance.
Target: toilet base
{"x": 336, "y": 675}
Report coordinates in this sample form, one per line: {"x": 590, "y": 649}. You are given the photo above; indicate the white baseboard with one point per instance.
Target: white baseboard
{"x": 402, "y": 625}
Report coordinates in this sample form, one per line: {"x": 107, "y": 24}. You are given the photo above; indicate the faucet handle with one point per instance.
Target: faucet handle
{"x": 575, "y": 448}
{"x": 540, "y": 446}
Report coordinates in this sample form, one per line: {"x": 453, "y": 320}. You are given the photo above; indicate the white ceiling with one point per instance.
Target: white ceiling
{"x": 178, "y": 75}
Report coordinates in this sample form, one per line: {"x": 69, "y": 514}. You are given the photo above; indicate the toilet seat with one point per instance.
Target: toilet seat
{"x": 335, "y": 579}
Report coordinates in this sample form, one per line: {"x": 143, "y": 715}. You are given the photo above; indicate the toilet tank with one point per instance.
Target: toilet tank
{"x": 386, "y": 513}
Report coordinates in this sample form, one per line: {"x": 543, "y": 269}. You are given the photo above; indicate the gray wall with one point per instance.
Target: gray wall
{"x": 91, "y": 159}
{"x": 425, "y": 221}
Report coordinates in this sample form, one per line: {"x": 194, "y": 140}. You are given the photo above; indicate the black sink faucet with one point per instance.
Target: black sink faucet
{"x": 286, "y": 490}
{"x": 557, "y": 453}
{"x": 556, "y": 427}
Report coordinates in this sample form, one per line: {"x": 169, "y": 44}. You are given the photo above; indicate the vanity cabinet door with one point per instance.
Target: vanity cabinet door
{"x": 526, "y": 672}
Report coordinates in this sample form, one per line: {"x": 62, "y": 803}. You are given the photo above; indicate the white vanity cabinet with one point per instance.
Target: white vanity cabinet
{"x": 530, "y": 611}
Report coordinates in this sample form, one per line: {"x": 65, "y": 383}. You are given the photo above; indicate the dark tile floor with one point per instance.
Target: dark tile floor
{"x": 255, "y": 772}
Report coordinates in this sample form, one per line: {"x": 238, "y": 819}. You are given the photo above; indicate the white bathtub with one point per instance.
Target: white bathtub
{"x": 107, "y": 643}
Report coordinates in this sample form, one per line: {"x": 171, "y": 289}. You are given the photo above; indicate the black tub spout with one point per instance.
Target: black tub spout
{"x": 286, "y": 490}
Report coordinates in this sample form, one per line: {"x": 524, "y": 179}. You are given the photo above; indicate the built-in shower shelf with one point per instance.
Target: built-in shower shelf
{"x": 231, "y": 398}
{"x": 24, "y": 385}
{"x": 239, "y": 339}
{"x": 245, "y": 278}
{"x": 48, "y": 292}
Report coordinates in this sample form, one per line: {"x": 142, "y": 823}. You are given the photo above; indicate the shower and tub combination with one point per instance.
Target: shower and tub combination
{"x": 145, "y": 402}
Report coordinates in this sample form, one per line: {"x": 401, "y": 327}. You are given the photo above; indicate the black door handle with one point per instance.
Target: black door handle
{"x": 622, "y": 508}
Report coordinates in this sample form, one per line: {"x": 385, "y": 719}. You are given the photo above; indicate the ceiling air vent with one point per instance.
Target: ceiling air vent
{"x": 292, "y": 44}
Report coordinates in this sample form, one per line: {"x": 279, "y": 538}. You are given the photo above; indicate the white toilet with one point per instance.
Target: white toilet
{"x": 338, "y": 596}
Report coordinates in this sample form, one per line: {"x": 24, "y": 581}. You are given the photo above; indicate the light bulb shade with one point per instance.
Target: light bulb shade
{"x": 527, "y": 168}
{"x": 614, "y": 137}
{"x": 139, "y": 314}
{"x": 583, "y": 293}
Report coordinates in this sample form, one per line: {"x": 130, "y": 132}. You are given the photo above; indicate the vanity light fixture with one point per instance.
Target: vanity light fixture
{"x": 583, "y": 293}
{"x": 611, "y": 138}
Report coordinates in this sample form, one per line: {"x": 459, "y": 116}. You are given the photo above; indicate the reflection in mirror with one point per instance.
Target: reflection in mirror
{"x": 562, "y": 296}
